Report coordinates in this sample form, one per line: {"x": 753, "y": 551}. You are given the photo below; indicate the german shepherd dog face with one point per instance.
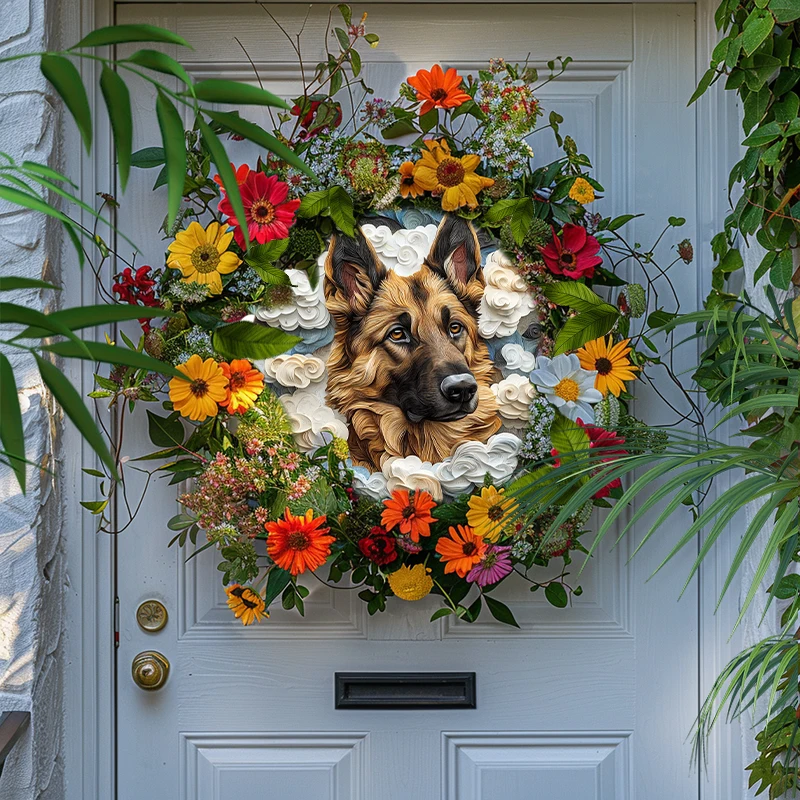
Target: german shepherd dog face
{"x": 408, "y": 368}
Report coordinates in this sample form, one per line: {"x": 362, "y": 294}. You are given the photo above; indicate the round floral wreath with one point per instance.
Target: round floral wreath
{"x": 268, "y": 456}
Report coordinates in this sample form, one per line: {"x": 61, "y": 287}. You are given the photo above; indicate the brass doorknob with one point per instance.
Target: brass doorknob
{"x": 150, "y": 670}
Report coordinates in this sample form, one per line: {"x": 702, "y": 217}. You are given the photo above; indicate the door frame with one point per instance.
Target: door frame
{"x": 90, "y": 610}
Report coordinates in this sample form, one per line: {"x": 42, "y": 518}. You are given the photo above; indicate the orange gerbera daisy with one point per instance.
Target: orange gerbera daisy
{"x": 438, "y": 89}
{"x": 461, "y": 551}
{"x": 611, "y": 362}
{"x": 245, "y": 384}
{"x": 408, "y": 181}
{"x": 297, "y": 544}
{"x": 411, "y": 512}
{"x": 241, "y": 174}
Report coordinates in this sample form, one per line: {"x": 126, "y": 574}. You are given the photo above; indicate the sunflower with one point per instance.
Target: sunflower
{"x": 438, "y": 89}
{"x": 297, "y": 544}
{"x": 489, "y": 513}
{"x": 451, "y": 177}
{"x": 582, "y": 191}
{"x": 611, "y": 362}
{"x": 198, "y": 397}
{"x": 411, "y": 583}
{"x": 246, "y": 604}
{"x": 408, "y": 181}
{"x": 202, "y": 255}
{"x": 461, "y": 551}
{"x": 245, "y": 384}
{"x": 412, "y": 513}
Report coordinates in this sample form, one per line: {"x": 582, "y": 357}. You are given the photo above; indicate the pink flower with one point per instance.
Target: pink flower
{"x": 268, "y": 213}
{"x": 493, "y": 567}
{"x": 574, "y": 254}
{"x": 610, "y": 445}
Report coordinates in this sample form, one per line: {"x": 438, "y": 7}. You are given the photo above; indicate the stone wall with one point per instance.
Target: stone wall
{"x": 32, "y": 569}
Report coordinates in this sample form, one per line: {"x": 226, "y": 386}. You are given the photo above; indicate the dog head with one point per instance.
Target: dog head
{"x": 409, "y": 341}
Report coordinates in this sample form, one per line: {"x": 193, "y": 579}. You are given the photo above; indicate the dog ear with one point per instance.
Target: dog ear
{"x": 353, "y": 273}
{"x": 456, "y": 257}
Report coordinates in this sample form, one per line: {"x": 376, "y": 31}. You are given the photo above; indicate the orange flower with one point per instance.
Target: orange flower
{"x": 438, "y": 89}
{"x": 408, "y": 181}
{"x": 245, "y": 384}
{"x": 246, "y": 603}
{"x": 241, "y": 175}
{"x": 411, "y": 513}
{"x": 297, "y": 544}
{"x": 462, "y": 551}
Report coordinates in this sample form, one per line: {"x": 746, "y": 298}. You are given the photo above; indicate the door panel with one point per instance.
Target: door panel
{"x": 591, "y": 702}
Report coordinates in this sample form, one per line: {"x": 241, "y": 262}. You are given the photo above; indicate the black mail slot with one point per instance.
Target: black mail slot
{"x": 403, "y": 690}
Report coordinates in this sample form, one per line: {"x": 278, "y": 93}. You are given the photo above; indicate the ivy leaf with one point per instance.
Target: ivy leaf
{"x": 780, "y": 273}
{"x": 165, "y": 431}
{"x": 251, "y": 341}
{"x": 756, "y": 28}
{"x": 785, "y": 10}
{"x": 763, "y": 135}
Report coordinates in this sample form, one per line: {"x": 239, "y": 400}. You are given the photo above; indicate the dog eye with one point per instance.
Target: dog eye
{"x": 397, "y": 335}
{"x": 456, "y": 328}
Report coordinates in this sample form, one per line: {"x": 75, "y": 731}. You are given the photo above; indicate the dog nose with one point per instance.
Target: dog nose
{"x": 459, "y": 388}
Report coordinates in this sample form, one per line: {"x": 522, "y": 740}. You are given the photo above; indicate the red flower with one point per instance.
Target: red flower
{"x": 268, "y": 213}
{"x": 611, "y": 446}
{"x": 313, "y": 121}
{"x": 574, "y": 255}
{"x": 137, "y": 290}
{"x": 240, "y": 172}
{"x": 379, "y": 547}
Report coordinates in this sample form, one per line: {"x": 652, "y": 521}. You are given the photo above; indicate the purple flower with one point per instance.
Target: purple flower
{"x": 493, "y": 567}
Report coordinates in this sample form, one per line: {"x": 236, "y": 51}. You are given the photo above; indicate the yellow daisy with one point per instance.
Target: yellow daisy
{"x": 490, "y": 512}
{"x": 451, "y": 177}
{"x": 246, "y": 604}
{"x": 202, "y": 255}
{"x": 199, "y": 397}
{"x": 411, "y": 583}
{"x": 611, "y": 362}
{"x": 582, "y": 191}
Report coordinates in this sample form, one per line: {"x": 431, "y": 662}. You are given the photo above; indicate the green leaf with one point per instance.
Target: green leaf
{"x": 95, "y": 506}
{"x": 12, "y": 434}
{"x": 66, "y": 80}
{"x": 501, "y": 210}
{"x": 274, "y": 276}
{"x": 780, "y": 273}
{"x": 587, "y": 326}
{"x": 252, "y": 341}
{"x": 567, "y": 436}
{"x": 731, "y": 261}
{"x": 313, "y": 204}
{"x": 785, "y": 10}
{"x": 429, "y": 120}
{"x": 126, "y": 34}
{"x": 220, "y": 158}
{"x": 757, "y": 27}
{"x": 277, "y": 581}
{"x": 441, "y": 612}
{"x": 47, "y": 172}
{"x": 256, "y": 134}
{"x": 574, "y": 295}
{"x": 705, "y": 82}
{"x": 148, "y": 157}
{"x": 618, "y": 222}
{"x": 500, "y": 611}
{"x": 165, "y": 431}
{"x": 80, "y": 317}
{"x": 346, "y": 12}
{"x": 400, "y": 128}
{"x": 763, "y": 135}
{"x": 72, "y": 404}
{"x": 172, "y": 136}
{"x": 114, "y": 354}
{"x": 159, "y": 62}
{"x": 11, "y": 282}
{"x": 521, "y": 219}
{"x": 340, "y": 205}
{"x": 264, "y": 255}
{"x": 217, "y": 90}
{"x": 556, "y": 595}
{"x": 118, "y": 102}
{"x": 22, "y": 315}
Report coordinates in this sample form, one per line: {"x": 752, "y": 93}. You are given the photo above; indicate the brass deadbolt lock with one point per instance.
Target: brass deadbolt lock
{"x": 151, "y": 616}
{"x": 150, "y": 670}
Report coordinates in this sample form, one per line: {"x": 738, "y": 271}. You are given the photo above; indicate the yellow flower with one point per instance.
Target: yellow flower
{"x": 611, "y": 362}
{"x": 451, "y": 177}
{"x": 207, "y": 386}
{"x": 246, "y": 604}
{"x": 202, "y": 255}
{"x": 582, "y": 191}
{"x": 489, "y": 513}
{"x": 411, "y": 583}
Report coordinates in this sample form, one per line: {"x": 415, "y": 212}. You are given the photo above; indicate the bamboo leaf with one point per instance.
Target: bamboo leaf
{"x": 217, "y": 90}
{"x": 66, "y": 80}
{"x": 12, "y": 282}
{"x": 118, "y": 103}
{"x": 113, "y": 354}
{"x": 12, "y": 434}
{"x": 22, "y": 315}
{"x": 220, "y": 158}
{"x": 173, "y": 139}
{"x": 159, "y": 62}
{"x": 81, "y": 317}
{"x": 72, "y": 404}
{"x": 127, "y": 34}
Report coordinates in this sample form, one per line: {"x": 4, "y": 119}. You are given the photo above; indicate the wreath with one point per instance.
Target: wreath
{"x": 384, "y": 347}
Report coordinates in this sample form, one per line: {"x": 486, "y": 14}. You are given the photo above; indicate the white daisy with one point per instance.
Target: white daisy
{"x": 568, "y": 386}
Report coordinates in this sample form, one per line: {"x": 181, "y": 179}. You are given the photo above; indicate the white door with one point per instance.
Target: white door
{"x": 593, "y": 702}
